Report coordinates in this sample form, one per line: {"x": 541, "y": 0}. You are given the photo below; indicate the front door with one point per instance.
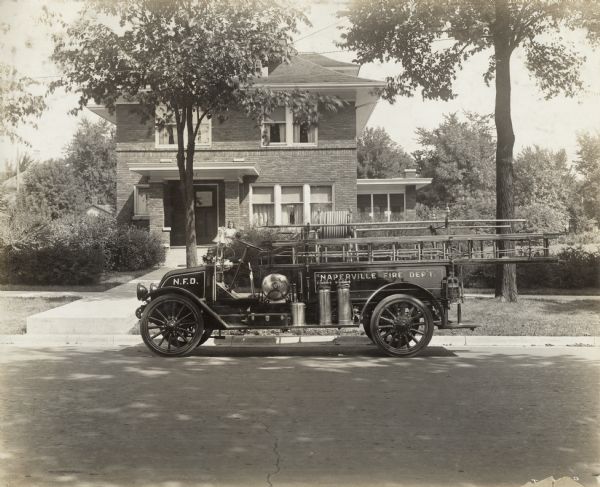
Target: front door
{"x": 207, "y": 220}
{"x": 206, "y": 197}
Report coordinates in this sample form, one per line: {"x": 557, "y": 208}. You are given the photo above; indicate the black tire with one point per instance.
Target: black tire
{"x": 206, "y": 334}
{"x": 171, "y": 326}
{"x": 401, "y": 325}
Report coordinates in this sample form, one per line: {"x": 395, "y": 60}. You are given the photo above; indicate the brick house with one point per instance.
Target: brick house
{"x": 280, "y": 173}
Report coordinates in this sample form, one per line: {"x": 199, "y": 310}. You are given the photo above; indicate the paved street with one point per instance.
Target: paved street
{"x": 296, "y": 416}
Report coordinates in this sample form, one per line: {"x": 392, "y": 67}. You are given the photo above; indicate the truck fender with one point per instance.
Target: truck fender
{"x": 201, "y": 303}
{"x": 407, "y": 288}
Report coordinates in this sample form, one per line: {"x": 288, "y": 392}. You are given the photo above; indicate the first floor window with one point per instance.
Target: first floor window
{"x": 140, "y": 201}
{"x": 291, "y": 205}
{"x": 263, "y": 205}
{"x": 282, "y": 204}
{"x": 320, "y": 200}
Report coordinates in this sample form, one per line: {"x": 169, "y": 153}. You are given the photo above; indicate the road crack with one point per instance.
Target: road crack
{"x": 276, "y": 465}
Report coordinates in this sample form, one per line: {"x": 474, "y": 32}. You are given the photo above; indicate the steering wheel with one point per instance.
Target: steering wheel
{"x": 248, "y": 244}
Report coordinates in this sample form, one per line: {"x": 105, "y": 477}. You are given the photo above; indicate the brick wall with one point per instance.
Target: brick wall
{"x": 232, "y": 203}
{"x": 332, "y": 162}
{"x": 156, "y": 210}
{"x": 126, "y": 180}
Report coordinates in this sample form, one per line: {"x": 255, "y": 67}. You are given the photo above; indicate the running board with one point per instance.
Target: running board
{"x": 458, "y": 326}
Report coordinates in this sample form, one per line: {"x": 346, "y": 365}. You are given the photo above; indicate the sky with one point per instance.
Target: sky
{"x": 552, "y": 124}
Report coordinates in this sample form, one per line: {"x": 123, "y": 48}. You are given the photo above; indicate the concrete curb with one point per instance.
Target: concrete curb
{"x": 230, "y": 340}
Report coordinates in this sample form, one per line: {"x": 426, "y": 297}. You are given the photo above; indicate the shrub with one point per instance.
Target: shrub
{"x": 132, "y": 249}
{"x": 72, "y": 250}
{"x": 591, "y": 236}
{"x": 48, "y": 253}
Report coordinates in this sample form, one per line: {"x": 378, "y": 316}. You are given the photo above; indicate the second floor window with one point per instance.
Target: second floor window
{"x": 274, "y": 126}
{"x": 279, "y": 129}
{"x": 166, "y": 136}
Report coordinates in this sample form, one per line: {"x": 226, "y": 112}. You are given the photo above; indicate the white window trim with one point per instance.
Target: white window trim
{"x": 289, "y": 134}
{"x": 158, "y": 145}
{"x": 306, "y": 201}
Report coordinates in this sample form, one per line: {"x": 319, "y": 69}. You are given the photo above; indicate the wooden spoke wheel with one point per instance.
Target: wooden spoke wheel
{"x": 401, "y": 326}
{"x": 171, "y": 325}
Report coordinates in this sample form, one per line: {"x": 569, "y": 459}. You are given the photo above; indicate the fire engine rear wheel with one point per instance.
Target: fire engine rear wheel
{"x": 401, "y": 326}
{"x": 171, "y": 325}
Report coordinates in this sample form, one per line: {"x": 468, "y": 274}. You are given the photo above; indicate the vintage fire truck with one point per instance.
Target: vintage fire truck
{"x": 398, "y": 287}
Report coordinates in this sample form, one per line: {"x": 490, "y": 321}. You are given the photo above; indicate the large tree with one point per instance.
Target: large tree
{"x": 431, "y": 39}
{"x": 588, "y": 165}
{"x": 185, "y": 60}
{"x": 379, "y": 156}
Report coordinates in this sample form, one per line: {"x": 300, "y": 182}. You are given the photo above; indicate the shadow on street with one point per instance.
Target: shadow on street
{"x": 297, "y": 415}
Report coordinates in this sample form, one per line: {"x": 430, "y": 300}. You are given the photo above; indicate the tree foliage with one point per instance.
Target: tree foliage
{"x": 18, "y": 103}
{"x": 91, "y": 155}
{"x": 195, "y": 58}
{"x": 407, "y": 32}
{"x": 432, "y": 39}
{"x": 51, "y": 190}
{"x": 459, "y": 156}
{"x": 588, "y": 165}
{"x": 379, "y": 156}
{"x": 545, "y": 189}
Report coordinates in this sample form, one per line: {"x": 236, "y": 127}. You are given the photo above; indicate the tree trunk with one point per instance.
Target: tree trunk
{"x": 185, "y": 164}
{"x": 506, "y": 274}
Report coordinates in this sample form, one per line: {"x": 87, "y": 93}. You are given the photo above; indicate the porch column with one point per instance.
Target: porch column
{"x": 232, "y": 203}
{"x": 411, "y": 202}
{"x": 156, "y": 211}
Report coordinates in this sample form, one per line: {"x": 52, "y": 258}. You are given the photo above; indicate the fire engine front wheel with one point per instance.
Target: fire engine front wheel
{"x": 171, "y": 325}
{"x": 401, "y": 326}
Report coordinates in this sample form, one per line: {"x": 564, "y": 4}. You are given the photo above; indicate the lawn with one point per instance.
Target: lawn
{"x": 107, "y": 281}
{"x": 560, "y": 316}
{"x": 14, "y": 311}
{"x": 530, "y": 316}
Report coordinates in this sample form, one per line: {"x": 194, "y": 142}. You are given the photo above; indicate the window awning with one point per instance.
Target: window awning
{"x": 228, "y": 171}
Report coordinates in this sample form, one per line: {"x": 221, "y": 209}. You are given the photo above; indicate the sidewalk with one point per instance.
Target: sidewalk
{"x": 111, "y": 312}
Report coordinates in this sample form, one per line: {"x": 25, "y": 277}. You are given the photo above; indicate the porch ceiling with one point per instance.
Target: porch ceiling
{"x": 368, "y": 186}
{"x": 228, "y": 171}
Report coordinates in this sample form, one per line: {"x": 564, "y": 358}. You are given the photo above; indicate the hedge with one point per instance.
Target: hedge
{"x": 74, "y": 251}
{"x": 577, "y": 268}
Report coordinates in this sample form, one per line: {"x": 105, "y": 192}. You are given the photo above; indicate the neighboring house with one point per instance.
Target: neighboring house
{"x": 99, "y": 210}
{"x": 280, "y": 173}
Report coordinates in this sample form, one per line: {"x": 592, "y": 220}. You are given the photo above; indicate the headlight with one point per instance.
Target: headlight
{"x": 141, "y": 292}
{"x": 153, "y": 287}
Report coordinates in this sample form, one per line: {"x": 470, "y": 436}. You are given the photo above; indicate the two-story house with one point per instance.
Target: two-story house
{"x": 280, "y": 173}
